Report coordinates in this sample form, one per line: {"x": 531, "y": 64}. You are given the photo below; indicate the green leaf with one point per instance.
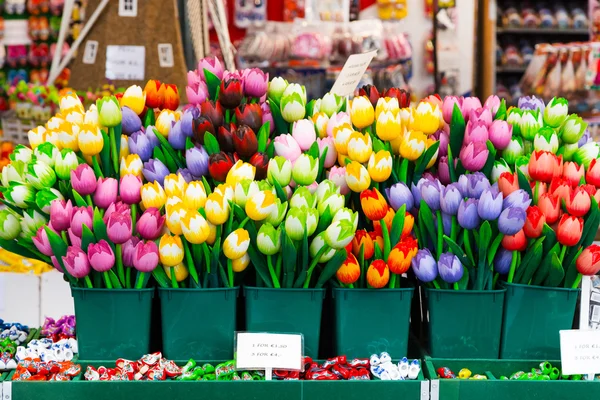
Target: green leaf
{"x": 59, "y": 248}
{"x": 260, "y": 265}
{"x": 543, "y": 269}
{"x": 240, "y": 215}
{"x": 556, "y": 274}
{"x": 161, "y": 277}
{"x": 310, "y": 106}
{"x": 271, "y": 149}
{"x": 211, "y": 144}
{"x": 158, "y": 154}
{"x": 14, "y": 247}
{"x": 464, "y": 281}
{"x": 529, "y": 264}
{"x": 206, "y": 186}
{"x": 457, "y": 130}
{"x": 451, "y": 168}
{"x": 289, "y": 260}
{"x": 169, "y": 151}
{"x": 460, "y": 170}
{"x": 188, "y": 143}
{"x": 100, "y": 227}
{"x": 424, "y": 160}
{"x": 485, "y": 235}
{"x": 550, "y": 238}
{"x": 305, "y": 257}
{"x": 263, "y": 136}
{"x": 331, "y": 267}
{"x": 426, "y": 217}
{"x": 378, "y": 145}
{"x": 280, "y": 192}
{"x": 458, "y": 252}
{"x": 105, "y": 155}
{"x": 324, "y": 220}
{"x": 79, "y": 201}
{"x": 501, "y": 113}
{"x": 322, "y": 158}
{"x": 170, "y": 161}
{"x": 524, "y": 183}
{"x": 281, "y": 126}
{"x": 489, "y": 164}
{"x": 590, "y": 227}
{"x": 213, "y": 83}
{"x": 114, "y": 279}
{"x": 313, "y": 151}
{"x": 398, "y": 225}
{"x": 87, "y": 238}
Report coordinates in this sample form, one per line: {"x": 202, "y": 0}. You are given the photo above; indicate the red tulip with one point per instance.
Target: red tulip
{"x": 244, "y": 141}
{"x": 534, "y": 223}
{"x": 402, "y": 95}
{"x": 508, "y": 183}
{"x": 261, "y": 162}
{"x": 202, "y": 125}
{"x": 588, "y": 262}
{"x": 560, "y": 188}
{"x": 231, "y": 93}
{"x": 589, "y": 189}
{"x": 249, "y": 114}
{"x": 573, "y": 172}
{"x": 171, "y": 97}
{"x": 593, "y": 173}
{"x": 579, "y": 202}
{"x": 517, "y": 242}
{"x": 371, "y": 92}
{"x": 569, "y": 230}
{"x": 550, "y": 207}
{"x": 543, "y": 165}
{"x": 213, "y": 111}
{"x": 225, "y": 137}
{"x": 219, "y": 165}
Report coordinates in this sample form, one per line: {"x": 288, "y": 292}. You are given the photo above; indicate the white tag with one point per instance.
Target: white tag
{"x": 268, "y": 350}
{"x": 125, "y": 62}
{"x": 16, "y": 32}
{"x": 2, "y": 294}
{"x": 128, "y": 8}
{"x": 165, "y": 55}
{"x": 90, "y": 52}
{"x": 352, "y": 73}
{"x": 7, "y": 390}
{"x": 580, "y": 351}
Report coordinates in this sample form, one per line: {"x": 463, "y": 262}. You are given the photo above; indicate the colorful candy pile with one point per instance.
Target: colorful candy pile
{"x": 222, "y": 372}
{"x": 464, "y": 373}
{"x": 151, "y": 367}
{"x": 7, "y": 351}
{"x": 48, "y": 350}
{"x": 546, "y": 372}
{"x": 63, "y": 328}
{"x": 16, "y": 332}
{"x": 333, "y": 369}
{"x": 383, "y": 368}
{"x": 36, "y": 370}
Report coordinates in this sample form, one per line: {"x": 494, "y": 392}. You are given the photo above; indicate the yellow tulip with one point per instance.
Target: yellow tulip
{"x": 212, "y": 235}
{"x": 67, "y": 135}
{"x": 153, "y": 195}
{"x": 226, "y": 190}
{"x": 387, "y": 104}
{"x": 389, "y": 126}
{"x": 426, "y": 118}
{"x": 357, "y": 177}
{"x": 236, "y": 244}
{"x": 132, "y": 164}
{"x": 165, "y": 120}
{"x": 170, "y": 250}
{"x": 90, "y": 140}
{"x": 360, "y": 147}
{"x": 194, "y": 196}
{"x": 91, "y": 115}
{"x": 36, "y": 136}
{"x": 134, "y": 98}
{"x": 341, "y": 137}
{"x": 361, "y": 112}
{"x": 260, "y": 205}
{"x": 430, "y": 143}
{"x": 413, "y": 145}
{"x": 181, "y": 272}
{"x": 320, "y": 120}
{"x": 52, "y": 136}
{"x": 173, "y": 201}
{"x": 173, "y": 217}
{"x": 73, "y": 115}
{"x": 240, "y": 170}
{"x": 398, "y": 141}
{"x": 194, "y": 227}
{"x": 342, "y": 159}
{"x": 175, "y": 185}
{"x": 217, "y": 209}
{"x": 380, "y": 166}
{"x": 406, "y": 117}
{"x": 124, "y": 149}
{"x": 70, "y": 101}
{"x": 241, "y": 263}
{"x": 54, "y": 122}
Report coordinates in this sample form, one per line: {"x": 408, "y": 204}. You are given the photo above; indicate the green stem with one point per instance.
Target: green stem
{"x": 536, "y": 191}
{"x": 128, "y": 278}
{"x": 244, "y": 222}
{"x": 436, "y": 285}
{"x": 467, "y": 243}
{"x": 113, "y": 150}
{"x": 173, "y": 279}
{"x": 278, "y": 266}
{"x": 314, "y": 263}
{"x": 64, "y": 237}
{"x": 577, "y": 282}
{"x": 88, "y": 282}
{"x": 120, "y": 270}
{"x": 272, "y": 272}
{"x": 393, "y": 281}
{"x": 96, "y": 166}
{"x": 513, "y": 266}
{"x": 454, "y": 230}
{"x": 496, "y": 275}
{"x": 140, "y": 280}
{"x": 107, "y": 280}
{"x": 386, "y": 240}
{"x": 230, "y": 272}
{"x": 455, "y": 285}
{"x": 190, "y": 262}
{"x": 562, "y": 253}
{"x": 206, "y": 253}
{"x": 88, "y": 198}
{"x": 440, "y": 234}
{"x": 403, "y": 170}
{"x": 133, "y": 217}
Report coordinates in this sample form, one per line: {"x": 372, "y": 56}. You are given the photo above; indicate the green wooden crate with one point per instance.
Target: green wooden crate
{"x": 496, "y": 389}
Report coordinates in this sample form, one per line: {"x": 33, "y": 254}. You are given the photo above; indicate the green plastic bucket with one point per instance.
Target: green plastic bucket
{"x": 369, "y": 321}
{"x": 112, "y": 323}
{"x": 533, "y": 316}
{"x": 286, "y": 311}
{"x": 465, "y": 323}
{"x": 198, "y": 323}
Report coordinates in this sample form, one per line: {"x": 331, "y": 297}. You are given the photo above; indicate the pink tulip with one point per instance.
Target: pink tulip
{"x": 74, "y": 239}
{"x": 481, "y": 115}
{"x": 331, "y": 156}
{"x": 106, "y": 192}
{"x": 193, "y": 79}
{"x": 41, "y": 242}
{"x": 197, "y": 95}
{"x": 573, "y": 172}
{"x": 101, "y": 256}
{"x": 56, "y": 264}
{"x": 304, "y": 133}
{"x": 119, "y": 228}
{"x": 118, "y": 207}
{"x": 211, "y": 64}
{"x": 338, "y": 176}
{"x": 256, "y": 82}
{"x": 579, "y": 202}
{"x": 81, "y": 216}
{"x": 128, "y": 251}
{"x": 476, "y": 131}
{"x": 60, "y": 214}
{"x": 130, "y": 189}
{"x": 444, "y": 170}
{"x": 500, "y": 134}
{"x": 474, "y": 156}
{"x": 286, "y": 146}
{"x": 76, "y": 262}
{"x": 83, "y": 180}
{"x": 469, "y": 104}
{"x": 444, "y": 138}
{"x": 448, "y": 106}
{"x": 150, "y": 224}
{"x": 146, "y": 256}
{"x": 492, "y": 103}
{"x": 336, "y": 120}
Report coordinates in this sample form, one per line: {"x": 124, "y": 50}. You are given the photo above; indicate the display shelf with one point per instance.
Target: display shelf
{"x": 542, "y": 31}
{"x": 510, "y": 70}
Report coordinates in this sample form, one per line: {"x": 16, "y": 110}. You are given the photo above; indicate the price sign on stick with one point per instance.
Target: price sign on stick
{"x": 352, "y": 73}
{"x": 580, "y": 351}
{"x": 269, "y": 351}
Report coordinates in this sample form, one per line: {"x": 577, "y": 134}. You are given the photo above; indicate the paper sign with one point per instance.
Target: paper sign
{"x": 352, "y": 73}
{"x": 128, "y": 8}
{"x": 2, "y": 294}
{"x": 90, "y": 52}
{"x": 268, "y": 350}
{"x": 580, "y": 351}
{"x": 165, "y": 55}
{"x": 16, "y": 32}
{"x": 125, "y": 62}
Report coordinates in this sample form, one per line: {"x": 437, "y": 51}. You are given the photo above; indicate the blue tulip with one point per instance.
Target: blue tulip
{"x": 187, "y": 175}
{"x": 468, "y": 218}
{"x": 502, "y": 261}
{"x": 155, "y": 171}
{"x": 430, "y": 192}
{"x": 416, "y": 192}
{"x": 197, "y": 161}
{"x": 450, "y": 199}
{"x": 424, "y": 266}
{"x": 463, "y": 185}
{"x": 477, "y": 184}
{"x": 140, "y": 144}
{"x": 519, "y": 198}
{"x": 398, "y": 195}
{"x": 490, "y": 204}
{"x": 450, "y": 268}
{"x": 176, "y": 137}
{"x": 130, "y": 121}
{"x": 187, "y": 121}
{"x": 511, "y": 220}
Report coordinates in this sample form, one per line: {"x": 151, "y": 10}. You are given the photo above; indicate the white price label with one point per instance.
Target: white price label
{"x": 125, "y": 62}
{"x": 352, "y": 73}
{"x": 269, "y": 350}
{"x": 90, "y": 52}
{"x": 165, "y": 55}
{"x": 580, "y": 351}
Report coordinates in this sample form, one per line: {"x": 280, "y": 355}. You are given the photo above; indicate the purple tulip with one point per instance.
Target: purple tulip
{"x": 106, "y": 192}
{"x": 119, "y": 228}
{"x": 444, "y": 170}
{"x": 187, "y": 175}
{"x": 76, "y": 262}
{"x": 531, "y": 103}
{"x": 476, "y": 131}
{"x": 511, "y": 220}
{"x": 139, "y": 143}
{"x": 450, "y": 268}
{"x": 83, "y": 180}
{"x": 424, "y": 266}
{"x": 150, "y": 224}
{"x": 131, "y": 121}
{"x": 474, "y": 156}
{"x": 448, "y": 106}
{"x": 176, "y": 137}
{"x": 519, "y": 199}
{"x": 469, "y": 104}
{"x": 416, "y": 192}
{"x": 187, "y": 121}
{"x": 490, "y": 204}
{"x": 101, "y": 256}
{"x": 130, "y": 189}
{"x": 151, "y": 135}
{"x": 211, "y": 64}
{"x": 587, "y": 137}
{"x": 492, "y": 103}
{"x": 500, "y": 134}
{"x": 128, "y": 251}
{"x": 255, "y": 82}
{"x": 468, "y": 218}
{"x": 463, "y": 185}
{"x": 41, "y": 242}
{"x": 481, "y": 115}
{"x": 447, "y": 223}
{"x": 60, "y": 214}
{"x": 81, "y": 216}
{"x": 146, "y": 256}
{"x": 400, "y": 194}
{"x": 155, "y": 171}
{"x": 197, "y": 160}
{"x": 430, "y": 192}
{"x": 117, "y": 207}
{"x": 450, "y": 199}
{"x": 477, "y": 184}
{"x": 267, "y": 116}
{"x": 444, "y": 138}
{"x": 502, "y": 261}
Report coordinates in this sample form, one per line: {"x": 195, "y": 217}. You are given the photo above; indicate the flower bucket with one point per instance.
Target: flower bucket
{"x": 286, "y": 311}
{"x": 465, "y": 323}
{"x": 533, "y": 317}
{"x": 198, "y": 323}
{"x": 112, "y": 323}
{"x": 370, "y": 321}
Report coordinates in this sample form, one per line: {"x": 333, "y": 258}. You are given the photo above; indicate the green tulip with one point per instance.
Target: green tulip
{"x": 295, "y": 88}
{"x": 586, "y": 153}
{"x": 13, "y": 172}
{"x": 47, "y": 153}
{"x": 31, "y": 222}
{"x": 316, "y": 245}
{"x": 303, "y": 198}
{"x": 268, "y": 240}
{"x": 21, "y": 153}
{"x": 325, "y": 188}
{"x": 45, "y": 197}
{"x": 312, "y": 221}
{"x": 65, "y": 163}
{"x": 279, "y": 170}
{"x": 339, "y": 234}
{"x": 514, "y": 118}
{"x": 530, "y": 123}
{"x": 278, "y": 213}
{"x": 10, "y": 225}
{"x": 346, "y": 214}
{"x": 573, "y": 129}
{"x": 306, "y": 170}
{"x": 19, "y": 194}
{"x": 292, "y": 107}
{"x": 568, "y": 151}
{"x": 333, "y": 201}
{"x": 40, "y": 175}
{"x": 276, "y": 88}
{"x": 109, "y": 111}
{"x": 513, "y": 151}
{"x": 546, "y": 140}
{"x": 265, "y": 185}
{"x": 331, "y": 103}
{"x": 522, "y": 164}
{"x": 295, "y": 223}
{"x": 244, "y": 189}
{"x": 556, "y": 112}
{"x": 500, "y": 166}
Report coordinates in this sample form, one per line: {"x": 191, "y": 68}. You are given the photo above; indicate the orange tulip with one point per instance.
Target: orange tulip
{"x": 573, "y": 172}
{"x": 401, "y": 255}
{"x": 409, "y": 222}
{"x": 373, "y": 204}
{"x": 534, "y": 224}
{"x": 378, "y": 274}
{"x": 560, "y": 188}
{"x": 569, "y": 230}
{"x": 593, "y": 173}
{"x": 349, "y": 272}
{"x": 155, "y": 94}
{"x": 363, "y": 239}
{"x": 550, "y": 207}
{"x": 508, "y": 183}
{"x": 579, "y": 202}
{"x": 377, "y": 239}
{"x": 171, "y": 101}
{"x": 588, "y": 262}
{"x": 389, "y": 217}
{"x": 543, "y": 166}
